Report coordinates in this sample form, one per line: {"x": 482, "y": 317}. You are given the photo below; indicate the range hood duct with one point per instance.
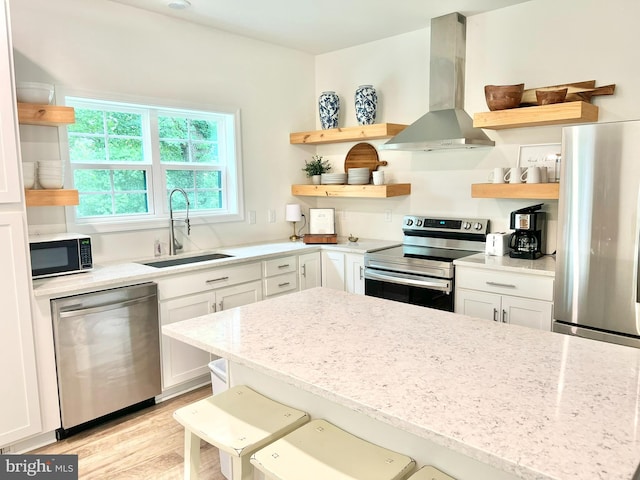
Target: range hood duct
{"x": 446, "y": 125}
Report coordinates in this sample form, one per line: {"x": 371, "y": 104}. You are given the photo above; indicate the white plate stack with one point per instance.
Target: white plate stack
{"x": 358, "y": 176}
{"x": 333, "y": 178}
{"x": 51, "y": 173}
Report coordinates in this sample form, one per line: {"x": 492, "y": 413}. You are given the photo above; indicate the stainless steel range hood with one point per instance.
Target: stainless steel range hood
{"x": 446, "y": 125}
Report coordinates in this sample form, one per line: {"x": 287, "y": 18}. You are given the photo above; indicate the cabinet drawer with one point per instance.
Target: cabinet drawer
{"x": 280, "y": 265}
{"x": 202, "y": 280}
{"x": 506, "y": 283}
{"x": 280, "y": 284}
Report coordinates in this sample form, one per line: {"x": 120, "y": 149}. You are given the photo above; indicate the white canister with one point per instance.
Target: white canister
{"x": 378, "y": 177}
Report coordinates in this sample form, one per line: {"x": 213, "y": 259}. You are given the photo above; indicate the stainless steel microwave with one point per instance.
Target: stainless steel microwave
{"x": 60, "y": 254}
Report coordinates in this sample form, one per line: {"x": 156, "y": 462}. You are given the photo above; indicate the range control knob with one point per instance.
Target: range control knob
{"x": 418, "y": 223}
{"x": 478, "y": 226}
{"x": 409, "y": 222}
{"x": 466, "y": 225}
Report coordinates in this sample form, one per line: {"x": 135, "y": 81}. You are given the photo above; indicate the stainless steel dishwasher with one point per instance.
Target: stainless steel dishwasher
{"x": 107, "y": 346}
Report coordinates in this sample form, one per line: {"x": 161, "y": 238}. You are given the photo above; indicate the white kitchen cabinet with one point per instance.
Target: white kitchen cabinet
{"x": 507, "y": 297}
{"x": 333, "y": 270}
{"x": 310, "y": 270}
{"x": 180, "y": 362}
{"x": 280, "y": 275}
{"x": 20, "y": 402}
{"x": 343, "y": 271}
{"x": 354, "y": 273}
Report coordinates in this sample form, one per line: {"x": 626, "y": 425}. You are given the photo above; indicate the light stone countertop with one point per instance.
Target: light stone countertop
{"x": 536, "y": 404}
{"x": 545, "y": 265}
{"x": 111, "y": 275}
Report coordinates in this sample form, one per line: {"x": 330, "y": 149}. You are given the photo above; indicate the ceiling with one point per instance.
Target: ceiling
{"x": 318, "y": 26}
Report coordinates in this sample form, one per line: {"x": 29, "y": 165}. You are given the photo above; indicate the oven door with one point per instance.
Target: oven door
{"x": 409, "y": 288}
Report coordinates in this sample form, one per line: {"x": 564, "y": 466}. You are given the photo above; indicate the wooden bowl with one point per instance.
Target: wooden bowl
{"x": 547, "y": 97}
{"x": 501, "y": 97}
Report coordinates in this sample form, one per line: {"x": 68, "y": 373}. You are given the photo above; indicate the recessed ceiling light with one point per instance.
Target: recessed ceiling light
{"x": 179, "y": 4}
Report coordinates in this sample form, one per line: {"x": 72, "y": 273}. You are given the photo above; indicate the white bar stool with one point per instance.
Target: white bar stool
{"x": 430, "y": 473}
{"x": 238, "y": 421}
{"x": 322, "y": 451}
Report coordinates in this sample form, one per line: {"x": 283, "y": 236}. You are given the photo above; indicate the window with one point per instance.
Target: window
{"x": 126, "y": 159}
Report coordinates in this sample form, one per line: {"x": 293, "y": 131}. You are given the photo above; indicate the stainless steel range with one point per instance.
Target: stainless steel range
{"x": 421, "y": 271}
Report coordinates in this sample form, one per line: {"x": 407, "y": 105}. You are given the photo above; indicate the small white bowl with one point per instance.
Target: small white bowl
{"x": 34, "y": 92}
{"x": 50, "y": 183}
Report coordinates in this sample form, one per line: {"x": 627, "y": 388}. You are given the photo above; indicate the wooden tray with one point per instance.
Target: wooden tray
{"x": 363, "y": 155}
{"x": 318, "y": 238}
{"x": 579, "y": 91}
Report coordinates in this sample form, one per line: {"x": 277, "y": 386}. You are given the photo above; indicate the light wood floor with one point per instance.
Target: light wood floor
{"x": 144, "y": 445}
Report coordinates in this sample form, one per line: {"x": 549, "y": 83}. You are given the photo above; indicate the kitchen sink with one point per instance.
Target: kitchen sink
{"x": 186, "y": 260}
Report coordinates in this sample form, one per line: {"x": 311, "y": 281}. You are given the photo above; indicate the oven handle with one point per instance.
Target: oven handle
{"x": 406, "y": 279}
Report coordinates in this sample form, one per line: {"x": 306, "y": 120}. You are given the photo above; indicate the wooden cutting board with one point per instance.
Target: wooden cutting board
{"x": 363, "y": 155}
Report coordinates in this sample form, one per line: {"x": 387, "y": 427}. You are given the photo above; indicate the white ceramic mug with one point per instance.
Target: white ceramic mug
{"x": 531, "y": 175}
{"x": 378, "y": 177}
{"x": 513, "y": 175}
{"x": 497, "y": 175}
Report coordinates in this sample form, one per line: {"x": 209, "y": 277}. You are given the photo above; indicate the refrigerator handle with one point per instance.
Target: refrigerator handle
{"x": 637, "y": 255}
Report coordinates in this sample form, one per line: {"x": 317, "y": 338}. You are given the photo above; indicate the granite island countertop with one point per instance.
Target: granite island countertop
{"x": 536, "y": 404}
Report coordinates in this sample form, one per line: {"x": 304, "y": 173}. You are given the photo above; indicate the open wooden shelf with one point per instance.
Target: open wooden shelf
{"x": 355, "y": 191}
{"x": 48, "y": 115}
{"x": 347, "y": 134}
{"x": 49, "y": 198}
{"x": 554, "y": 114}
{"x": 543, "y": 191}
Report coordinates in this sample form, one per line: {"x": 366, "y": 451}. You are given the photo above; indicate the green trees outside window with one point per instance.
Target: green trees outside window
{"x": 127, "y": 158}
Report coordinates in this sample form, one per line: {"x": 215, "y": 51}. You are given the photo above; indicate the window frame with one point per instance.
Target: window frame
{"x": 158, "y": 216}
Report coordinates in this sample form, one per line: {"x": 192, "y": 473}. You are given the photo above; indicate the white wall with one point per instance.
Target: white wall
{"x": 541, "y": 42}
{"x": 105, "y": 46}
{"x": 108, "y": 47}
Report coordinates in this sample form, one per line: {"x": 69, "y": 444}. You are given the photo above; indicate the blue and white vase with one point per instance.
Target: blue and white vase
{"x": 329, "y": 106}
{"x": 366, "y": 104}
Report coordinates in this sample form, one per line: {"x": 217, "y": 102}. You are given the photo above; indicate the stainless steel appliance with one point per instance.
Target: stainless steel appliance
{"x": 60, "y": 254}
{"x": 107, "y": 347}
{"x": 529, "y": 238}
{"x": 596, "y": 285}
{"x": 421, "y": 270}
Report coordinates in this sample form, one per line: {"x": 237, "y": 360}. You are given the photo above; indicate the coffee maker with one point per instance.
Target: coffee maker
{"x": 528, "y": 239}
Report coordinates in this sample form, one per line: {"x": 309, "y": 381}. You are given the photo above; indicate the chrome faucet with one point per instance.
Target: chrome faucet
{"x": 174, "y": 244}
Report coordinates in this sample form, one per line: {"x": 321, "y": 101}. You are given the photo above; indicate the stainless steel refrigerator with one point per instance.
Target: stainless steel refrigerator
{"x": 596, "y": 287}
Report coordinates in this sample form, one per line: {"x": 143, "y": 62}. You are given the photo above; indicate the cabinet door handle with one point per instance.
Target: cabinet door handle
{"x": 286, "y": 265}
{"x": 497, "y": 284}
{"x": 284, "y": 284}
{"x": 304, "y": 271}
{"x": 220, "y": 304}
{"x": 504, "y": 316}
{"x": 214, "y": 307}
{"x": 495, "y": 314}
{"x": 361, "y": 271}
{"x": 217, "y": 279}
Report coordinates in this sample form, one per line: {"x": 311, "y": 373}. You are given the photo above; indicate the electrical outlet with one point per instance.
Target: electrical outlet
{"x": 271, "y": 214}
{"x": 387, "y": 215}
{"x": 252, "y": 217}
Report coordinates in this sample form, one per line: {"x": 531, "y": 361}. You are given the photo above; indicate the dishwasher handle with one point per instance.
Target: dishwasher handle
{"x": 77, "y": 310}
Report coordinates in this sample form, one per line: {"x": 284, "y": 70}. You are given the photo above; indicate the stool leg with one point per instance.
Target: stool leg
{"x": 191, "y": 455}
{"x": 241, "y": 468}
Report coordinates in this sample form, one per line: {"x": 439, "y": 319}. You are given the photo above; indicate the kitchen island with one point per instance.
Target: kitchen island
{"x": 478, "y": 399}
